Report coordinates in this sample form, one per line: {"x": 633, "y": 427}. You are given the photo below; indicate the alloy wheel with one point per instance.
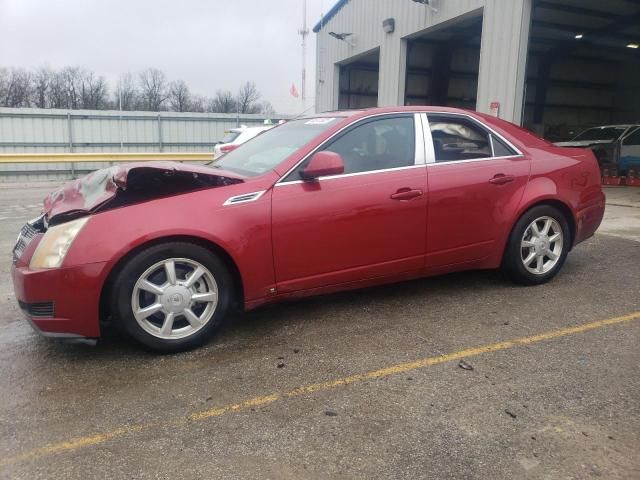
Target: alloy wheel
{"x": 541, "y": 245}
{"x": 174, "y": 298}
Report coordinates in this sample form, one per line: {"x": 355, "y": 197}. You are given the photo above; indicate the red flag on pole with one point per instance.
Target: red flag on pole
{"x": 294, "y": 91}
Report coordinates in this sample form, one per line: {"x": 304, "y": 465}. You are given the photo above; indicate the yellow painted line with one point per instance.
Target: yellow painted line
{"x": 74, "y": 444}
{"x": 251, "y": 403}
{"x": 397, "y": 369}
{"x": 103, "y": 157}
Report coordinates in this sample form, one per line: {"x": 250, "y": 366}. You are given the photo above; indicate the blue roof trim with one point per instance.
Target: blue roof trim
{"x": 330, "y": 14}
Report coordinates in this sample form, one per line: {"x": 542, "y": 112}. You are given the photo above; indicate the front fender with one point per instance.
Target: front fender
{"x": 243, "y": 231}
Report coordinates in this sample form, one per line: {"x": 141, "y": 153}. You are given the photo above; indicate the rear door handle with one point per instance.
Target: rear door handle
{"x": 406, "y": 194}
{"x": 501, "y": 179}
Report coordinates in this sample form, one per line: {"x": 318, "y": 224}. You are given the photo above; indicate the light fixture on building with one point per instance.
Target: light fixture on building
{"x": 633, "y": 45}
{"x": 343, "y": 37}
{"x": 428, "y": 3}
{"x": 389, "y": 25}
{"x": 579, "y": 36}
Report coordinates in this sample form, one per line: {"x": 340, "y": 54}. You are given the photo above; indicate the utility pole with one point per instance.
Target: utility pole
{"x": 120, "y": 109}
{"x": 304, "y": 32}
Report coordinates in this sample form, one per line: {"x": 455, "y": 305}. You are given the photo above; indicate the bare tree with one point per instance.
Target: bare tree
{"x": 16, "y": 89}
{"x": 126, "y": 93}
{"x": 72, "y": 86}
{"x": 247, "y": 98}
{"x": 77, "y": 88}
{"x": 223, "y": 102}
{"x": 41, "y": 84}
{"x": 198, "y": 103}
{"x": 153, "y": 89}
{"x": 93, "y": 91}
{"x": 4, "y": 83}
{"x": 179, "y": 96}
{"x": 57, "y": 95}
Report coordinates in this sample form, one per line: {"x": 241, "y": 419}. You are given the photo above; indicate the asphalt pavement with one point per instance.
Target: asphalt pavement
{"x": 464, "y": 376}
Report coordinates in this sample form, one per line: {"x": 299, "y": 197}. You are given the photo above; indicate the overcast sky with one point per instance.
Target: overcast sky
{"x": 211, "y": 44}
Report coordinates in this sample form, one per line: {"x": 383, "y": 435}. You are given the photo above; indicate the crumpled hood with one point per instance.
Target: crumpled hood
{"x": 582, "y": 143}
{"x": 131, "y": 183}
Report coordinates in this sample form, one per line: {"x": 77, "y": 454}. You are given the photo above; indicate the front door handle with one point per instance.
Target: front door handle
{"x": 501, "y": 179}
{"x": 406, "y": 194}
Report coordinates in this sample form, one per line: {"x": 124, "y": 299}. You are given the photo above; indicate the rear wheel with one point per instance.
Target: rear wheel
{"x": 172, "y": 297}
{"x": 538, "y": 246}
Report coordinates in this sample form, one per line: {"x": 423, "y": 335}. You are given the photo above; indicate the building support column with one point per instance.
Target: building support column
{"x": 393, "y": 71}
{"x": 503, "y": 57}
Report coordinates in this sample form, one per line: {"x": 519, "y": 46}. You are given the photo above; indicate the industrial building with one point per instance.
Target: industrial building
{"x": 554, "y": 66}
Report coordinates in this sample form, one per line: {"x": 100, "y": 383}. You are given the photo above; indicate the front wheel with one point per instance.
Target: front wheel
{"x": 172, "y": 297}
{"x": 538, "y": 246}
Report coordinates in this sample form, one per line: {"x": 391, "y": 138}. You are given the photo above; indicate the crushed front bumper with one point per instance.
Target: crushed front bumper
{"x": 61, "y": 302}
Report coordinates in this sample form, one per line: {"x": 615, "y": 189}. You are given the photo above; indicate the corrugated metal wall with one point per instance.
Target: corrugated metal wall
{"x": 502, "y": 63}
{"x": 32, "y": 130}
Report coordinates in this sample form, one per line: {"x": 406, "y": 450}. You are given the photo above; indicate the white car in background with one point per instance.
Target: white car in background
{"x": 237, "y": 136}
{"x": 615, "y": 146}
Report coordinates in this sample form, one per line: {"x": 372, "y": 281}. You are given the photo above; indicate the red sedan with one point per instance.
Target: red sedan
{"x": 331, "y": 202}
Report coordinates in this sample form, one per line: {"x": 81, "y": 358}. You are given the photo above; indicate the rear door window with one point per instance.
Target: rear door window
{"x": 229, "y": 137}
{"x": 458, "y": 138}
{"x": 633, "y": 139}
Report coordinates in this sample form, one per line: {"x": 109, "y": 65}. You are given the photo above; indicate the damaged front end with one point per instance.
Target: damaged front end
{"x": 128, "y": 184}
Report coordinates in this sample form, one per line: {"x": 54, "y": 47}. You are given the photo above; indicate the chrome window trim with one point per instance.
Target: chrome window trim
{"x": 414, "y": 114}
{"x": 420, "y": 153}
{"x": 345, "y": 175}
{"x": 482, "y": 125}
{"x": 428, "y": 140}
{"x": 234, "y": 200}
{"x": 468, "y": 160}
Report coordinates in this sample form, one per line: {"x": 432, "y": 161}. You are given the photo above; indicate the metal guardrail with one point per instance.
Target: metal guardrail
{"x": 103, "y": 157}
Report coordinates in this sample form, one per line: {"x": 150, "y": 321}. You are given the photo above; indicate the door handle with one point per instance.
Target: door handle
{"x": 501, "y": 179}
{"x": 406, "y": 194}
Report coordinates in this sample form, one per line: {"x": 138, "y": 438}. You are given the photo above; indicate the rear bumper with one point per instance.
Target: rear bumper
{"x": 589, "y": 218}
{"x": 61, "y": 302}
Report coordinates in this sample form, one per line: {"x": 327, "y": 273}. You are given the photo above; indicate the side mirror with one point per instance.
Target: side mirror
{"x": 323, "y": 164}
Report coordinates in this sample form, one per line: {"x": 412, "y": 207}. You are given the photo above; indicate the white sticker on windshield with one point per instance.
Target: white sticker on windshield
{"x": 320, "y": 121}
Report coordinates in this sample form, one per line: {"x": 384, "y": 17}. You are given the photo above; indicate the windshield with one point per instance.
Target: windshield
{"x": 602, "y": 133}
{"x": 229, "y": 136}
{"x": 269, "y": 149}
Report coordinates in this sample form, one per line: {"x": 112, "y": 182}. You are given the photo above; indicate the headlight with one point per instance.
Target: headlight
{"x": 55, "y": 244}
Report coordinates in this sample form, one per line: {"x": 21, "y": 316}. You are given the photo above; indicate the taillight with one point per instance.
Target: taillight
{"x": 228, "y": 148}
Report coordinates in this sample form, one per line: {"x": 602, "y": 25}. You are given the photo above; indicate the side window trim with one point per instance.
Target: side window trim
{"x": 420, "y": 149}
{"x": 431, "y": 158}
{"x": 419, "y": 153}
{"x": 632, "y": 131}
{"x": 428, "y": 140}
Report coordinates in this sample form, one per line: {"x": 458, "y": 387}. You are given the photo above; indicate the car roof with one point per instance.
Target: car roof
{"x": 379, "y": 110}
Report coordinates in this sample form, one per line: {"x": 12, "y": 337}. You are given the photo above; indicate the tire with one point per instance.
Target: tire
{"x": 533, "y": 257}
{"x": 157, "y": 302}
